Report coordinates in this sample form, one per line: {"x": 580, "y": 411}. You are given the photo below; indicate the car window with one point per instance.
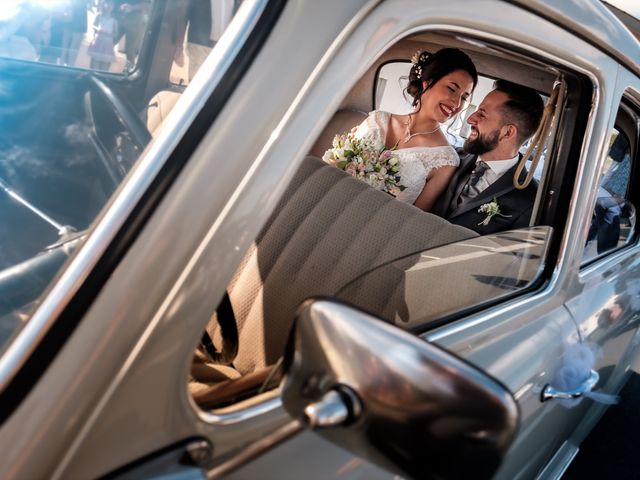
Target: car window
{"x": 613, "y": 220}
{"x": 332, "y": 235}
{"x": 70, "y": 139}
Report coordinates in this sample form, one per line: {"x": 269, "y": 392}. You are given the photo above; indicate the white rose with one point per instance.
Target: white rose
{"x": 348, "y": 145}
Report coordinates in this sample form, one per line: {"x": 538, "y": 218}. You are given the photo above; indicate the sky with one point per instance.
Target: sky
{"x": 632, "y": 7}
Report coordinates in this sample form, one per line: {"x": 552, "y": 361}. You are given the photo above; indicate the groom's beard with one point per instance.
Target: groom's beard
{"x": 482, "y": 143}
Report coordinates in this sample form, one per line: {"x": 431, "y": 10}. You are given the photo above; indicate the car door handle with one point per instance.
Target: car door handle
{"x": 549, "y": 392}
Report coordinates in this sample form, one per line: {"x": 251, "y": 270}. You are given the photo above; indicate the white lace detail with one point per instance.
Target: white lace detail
{"x": 415, "y": 162}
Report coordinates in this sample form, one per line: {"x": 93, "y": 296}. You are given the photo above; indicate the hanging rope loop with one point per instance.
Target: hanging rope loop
{"x": 538, "y": 142}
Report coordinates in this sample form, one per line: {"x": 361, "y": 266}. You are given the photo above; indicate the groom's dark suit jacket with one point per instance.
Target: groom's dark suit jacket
{"x": 517, "y": 204}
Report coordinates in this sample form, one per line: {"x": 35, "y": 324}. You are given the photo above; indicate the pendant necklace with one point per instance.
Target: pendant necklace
{"x": 407, "y": 132}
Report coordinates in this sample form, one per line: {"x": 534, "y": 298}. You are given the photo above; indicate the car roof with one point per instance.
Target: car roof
{"x": 631, "y": 18}
{"x": 595, "y": 23}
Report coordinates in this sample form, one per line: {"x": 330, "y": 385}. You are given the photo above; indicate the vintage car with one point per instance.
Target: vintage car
{"x": 188, "y": 290}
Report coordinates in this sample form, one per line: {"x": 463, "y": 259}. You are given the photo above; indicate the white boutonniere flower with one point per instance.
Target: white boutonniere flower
{"x": 490, "y": 209}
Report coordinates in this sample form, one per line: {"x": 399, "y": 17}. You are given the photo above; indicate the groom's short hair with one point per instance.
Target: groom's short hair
{"x": 523, "y": 108}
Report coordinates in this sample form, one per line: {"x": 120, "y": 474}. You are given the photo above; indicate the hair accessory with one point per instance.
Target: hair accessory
{"x": 417, "y": 60}
{"x": 419, "y": 57}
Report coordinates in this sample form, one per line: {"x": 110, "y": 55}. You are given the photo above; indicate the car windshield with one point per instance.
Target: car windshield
{"x": 75, "y": 33}
{"x": 85, "y": 85}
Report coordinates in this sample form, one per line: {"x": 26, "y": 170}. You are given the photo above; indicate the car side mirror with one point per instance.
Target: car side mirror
{"x": 393, "y": 399}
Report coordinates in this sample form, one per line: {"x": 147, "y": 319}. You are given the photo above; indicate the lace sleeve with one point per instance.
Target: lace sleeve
{"x": 373, "y": 128}
{"x": 440, "y": 157}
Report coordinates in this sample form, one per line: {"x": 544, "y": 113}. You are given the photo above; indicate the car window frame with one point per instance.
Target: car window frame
{"x": 576, "y": 126}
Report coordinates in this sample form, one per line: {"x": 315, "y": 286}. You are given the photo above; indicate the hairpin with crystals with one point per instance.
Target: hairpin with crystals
{"x": 417, "y": 60}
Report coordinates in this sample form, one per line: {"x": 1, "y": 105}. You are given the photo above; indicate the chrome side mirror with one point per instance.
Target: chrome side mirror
{"x": 392, "y": 398}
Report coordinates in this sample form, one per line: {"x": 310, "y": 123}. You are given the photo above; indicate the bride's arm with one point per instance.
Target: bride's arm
{"x": 435, "y": 185}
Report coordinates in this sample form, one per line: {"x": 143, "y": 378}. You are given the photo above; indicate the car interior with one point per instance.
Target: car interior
{"x": 395, "y": 263}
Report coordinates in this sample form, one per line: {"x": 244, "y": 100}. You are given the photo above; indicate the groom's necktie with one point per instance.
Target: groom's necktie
{"x": 470, "y": 189}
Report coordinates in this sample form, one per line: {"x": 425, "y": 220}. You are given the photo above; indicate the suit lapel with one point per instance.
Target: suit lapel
{"x": 500, "y": 187}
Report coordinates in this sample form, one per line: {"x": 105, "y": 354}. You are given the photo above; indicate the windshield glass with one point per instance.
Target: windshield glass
{"x": 85, "y": 85}
{"x": 104, "y": 35}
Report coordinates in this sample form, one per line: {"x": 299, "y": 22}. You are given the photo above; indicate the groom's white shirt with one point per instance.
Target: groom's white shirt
{"x": 496, "y": 169}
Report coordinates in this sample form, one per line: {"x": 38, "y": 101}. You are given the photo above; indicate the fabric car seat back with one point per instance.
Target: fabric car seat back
{"x": 328, "y": 229}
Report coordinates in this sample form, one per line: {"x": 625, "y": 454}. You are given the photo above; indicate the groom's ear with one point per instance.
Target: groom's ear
{"x": 509, "y": 131}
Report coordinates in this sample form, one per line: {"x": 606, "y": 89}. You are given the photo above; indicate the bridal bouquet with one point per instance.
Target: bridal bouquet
{"x": 367, "y": 160}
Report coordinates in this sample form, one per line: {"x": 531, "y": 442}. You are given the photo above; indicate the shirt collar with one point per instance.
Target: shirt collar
{"x": 500, "y": 166}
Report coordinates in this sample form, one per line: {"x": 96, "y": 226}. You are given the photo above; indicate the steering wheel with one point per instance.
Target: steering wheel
{"x": 126, "y": 117}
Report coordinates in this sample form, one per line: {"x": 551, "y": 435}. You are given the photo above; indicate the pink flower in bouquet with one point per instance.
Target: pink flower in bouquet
{"x": 386, "y": 155}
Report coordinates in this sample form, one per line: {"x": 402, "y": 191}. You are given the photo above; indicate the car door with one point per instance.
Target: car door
{"x": 519, "y": 340}
{"x": 39, "y": 355}
{"x": 603, "y": 296}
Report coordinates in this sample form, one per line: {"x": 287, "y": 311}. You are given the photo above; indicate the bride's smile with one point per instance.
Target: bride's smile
{"x": 446, "y": 97}
{"x": 446, "y": 110}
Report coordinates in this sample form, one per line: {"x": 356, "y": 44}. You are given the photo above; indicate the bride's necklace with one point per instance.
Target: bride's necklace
{"x": 407, "y": 131}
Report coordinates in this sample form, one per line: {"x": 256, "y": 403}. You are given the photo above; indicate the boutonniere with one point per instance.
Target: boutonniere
{"x": 490, "y": 209}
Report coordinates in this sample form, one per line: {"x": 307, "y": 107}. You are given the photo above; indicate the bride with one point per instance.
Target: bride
{"x": 439, "y": 84}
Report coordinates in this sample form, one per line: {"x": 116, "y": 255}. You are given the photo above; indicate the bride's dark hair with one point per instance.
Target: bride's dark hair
{"x": 431, "y": 67}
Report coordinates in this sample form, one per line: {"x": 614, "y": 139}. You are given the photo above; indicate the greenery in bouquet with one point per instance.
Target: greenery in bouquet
{"x": 367, "y": 160}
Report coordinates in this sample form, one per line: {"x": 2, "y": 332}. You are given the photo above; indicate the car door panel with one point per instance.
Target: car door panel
{"x": 603, "y": 299}
{"x": 523, "y": 349}
{"x": 606, "y": 311}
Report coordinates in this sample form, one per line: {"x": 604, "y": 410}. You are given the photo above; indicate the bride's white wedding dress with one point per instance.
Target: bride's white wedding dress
{"x": 415, "y": 162}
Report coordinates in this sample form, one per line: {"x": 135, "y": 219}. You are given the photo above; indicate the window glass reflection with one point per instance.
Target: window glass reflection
{"x": 613, "y": 218}
{"x": 69, "y": 139}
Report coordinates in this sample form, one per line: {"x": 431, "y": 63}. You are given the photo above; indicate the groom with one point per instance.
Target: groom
{"x": 505, "y": 119}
